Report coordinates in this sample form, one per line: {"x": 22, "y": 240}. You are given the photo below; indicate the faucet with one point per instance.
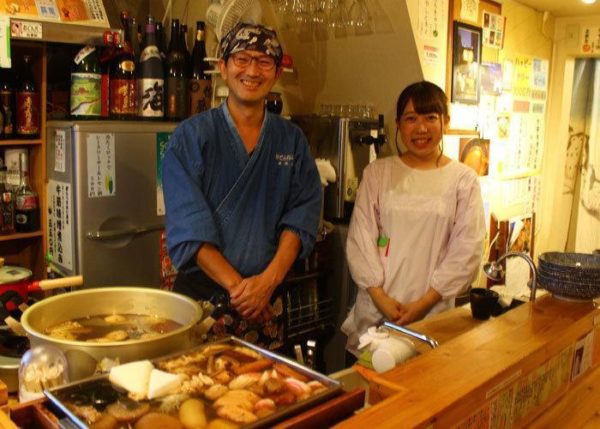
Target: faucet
{"x": 494, "y": 271}
{"x": 421, "y": 337}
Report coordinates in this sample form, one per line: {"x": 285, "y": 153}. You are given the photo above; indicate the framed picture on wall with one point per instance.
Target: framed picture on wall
{"x": 466, "y": 61}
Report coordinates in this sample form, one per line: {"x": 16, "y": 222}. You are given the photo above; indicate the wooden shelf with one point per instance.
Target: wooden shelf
{"x": 24, "y": 142}
{"x": 20, "y": 236}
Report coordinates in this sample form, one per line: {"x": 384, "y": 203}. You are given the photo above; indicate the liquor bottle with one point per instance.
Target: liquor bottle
{"x": 176, "y": 71}
{"x": 2, "y": 119}
{"x": 160, "y": 40}
{"x": 123, "y": 84}
{"x": 27, "y": 102}
{"x": 7, "y": 205}
{"x": 151, "y": 77}
{"x": 106, "y": 56}
{"x": 200, "y": 89}
{"x": 184, "y": 46}
{"x": 86, "y": 85}
{"x": 134, "y": 40}
{"x": 27, "y": 211}
{"x": 7, "y": 99}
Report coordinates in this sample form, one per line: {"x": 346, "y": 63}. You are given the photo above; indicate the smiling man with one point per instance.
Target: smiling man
{"x": 242, "y": 194}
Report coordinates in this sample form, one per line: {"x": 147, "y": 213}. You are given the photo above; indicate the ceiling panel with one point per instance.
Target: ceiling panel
{"x": 560, "y": 8}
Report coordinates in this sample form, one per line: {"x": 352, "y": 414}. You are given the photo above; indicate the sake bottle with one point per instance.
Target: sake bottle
{"x": 150, "y": 77}
{"x": 123, "y": 84}
{"x": 86, "y": 85}
{"x": 176, "y": 86}
{"x": 27, "y": 102}
{"x": 200, "y": 83}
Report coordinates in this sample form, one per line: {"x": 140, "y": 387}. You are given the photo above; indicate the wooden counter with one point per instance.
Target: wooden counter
{"x": 500, "y": 373}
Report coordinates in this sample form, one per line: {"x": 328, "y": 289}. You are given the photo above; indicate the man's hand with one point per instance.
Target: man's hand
{"x": 387, "y": 305}
{"x": 251, "y": 297}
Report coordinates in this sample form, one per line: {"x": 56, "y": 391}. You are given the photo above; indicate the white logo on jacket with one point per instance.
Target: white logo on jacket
{"x": 284, "y": 159}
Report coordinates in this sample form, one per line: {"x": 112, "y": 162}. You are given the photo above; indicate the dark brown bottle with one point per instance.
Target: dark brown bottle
{"x": 7, "y": 99}
{"x": 27, "y": 102}
{"x": 7, "y": 205}
{"x": 123, "y": 83}
{"x": 200, "y": 88}
{"x": 184, "y": 47}
{"x": 160, "y": 40}
{"x": 176, "y": 77}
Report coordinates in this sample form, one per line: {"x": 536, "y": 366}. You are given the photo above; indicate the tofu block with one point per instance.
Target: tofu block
{"x": 133, "y": 376}
{"x": 162, "y": 383}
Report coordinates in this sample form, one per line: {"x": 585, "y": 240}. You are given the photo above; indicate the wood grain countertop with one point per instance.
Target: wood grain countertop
{"x": 510, "y": 368}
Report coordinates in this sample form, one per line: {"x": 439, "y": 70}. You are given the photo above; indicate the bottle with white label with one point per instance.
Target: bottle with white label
{"x": 86, "y": 85}
{"x": 151, "y": 77}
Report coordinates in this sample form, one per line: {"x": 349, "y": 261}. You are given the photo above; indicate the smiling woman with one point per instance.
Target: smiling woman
{"x": 416, "y": 233}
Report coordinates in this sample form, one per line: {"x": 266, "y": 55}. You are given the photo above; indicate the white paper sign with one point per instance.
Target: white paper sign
{"x": 5, "y": 42}
{"x": 60, "y": 220}
{"x": 101, "y": 165}
{"x": 59, "y": 151}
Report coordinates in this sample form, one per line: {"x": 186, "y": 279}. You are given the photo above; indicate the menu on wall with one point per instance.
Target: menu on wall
{"x": 78, "y": 12}
{"x": 590, "y": 40}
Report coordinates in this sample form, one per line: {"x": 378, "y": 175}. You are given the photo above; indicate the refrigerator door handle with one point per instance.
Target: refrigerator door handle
{"x": 116, "y": 234}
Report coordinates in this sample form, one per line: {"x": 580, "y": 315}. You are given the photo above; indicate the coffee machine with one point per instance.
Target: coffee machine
{"x": 350, "y": 144}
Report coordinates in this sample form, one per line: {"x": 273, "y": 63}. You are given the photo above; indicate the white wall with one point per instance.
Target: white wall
{"x": 554, "y": 216}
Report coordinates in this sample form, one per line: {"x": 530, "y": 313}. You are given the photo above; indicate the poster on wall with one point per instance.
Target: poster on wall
{"x": 590, "y": 40}
{"x": 469, "y": 10}
{"x": 491, "y": 78}
{"x": 493, "y": 30}
{"x": 431, "y": 18}
{"x": 79, "y": 12}
{"x": 466, "y": 58}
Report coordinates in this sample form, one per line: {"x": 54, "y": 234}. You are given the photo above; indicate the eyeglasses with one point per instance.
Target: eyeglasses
{"x": 264, "y": 62}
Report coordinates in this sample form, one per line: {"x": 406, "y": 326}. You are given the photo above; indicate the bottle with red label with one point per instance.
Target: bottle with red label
{"x": 27, "y": 103}
{"x": 106, "y": 56}
{"x": 123, "y": 85}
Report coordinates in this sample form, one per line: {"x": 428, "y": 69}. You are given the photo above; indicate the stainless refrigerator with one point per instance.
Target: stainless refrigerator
{"x": 104, "y": 200}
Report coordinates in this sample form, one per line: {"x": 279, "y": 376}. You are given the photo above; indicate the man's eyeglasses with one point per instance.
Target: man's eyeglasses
{"x": 264, "y": 62}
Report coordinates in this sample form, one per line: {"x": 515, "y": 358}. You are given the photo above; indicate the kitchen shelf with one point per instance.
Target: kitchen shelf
{"x": 21, "y": 235}
{"x": 24, "y": 142}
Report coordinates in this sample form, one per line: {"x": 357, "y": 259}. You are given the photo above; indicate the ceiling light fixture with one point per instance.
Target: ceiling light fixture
{"x": 589, "y": 1}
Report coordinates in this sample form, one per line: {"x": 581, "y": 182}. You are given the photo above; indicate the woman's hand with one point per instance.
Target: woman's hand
{"x": 418, "y": 309}
{"x": 387, "y": 305}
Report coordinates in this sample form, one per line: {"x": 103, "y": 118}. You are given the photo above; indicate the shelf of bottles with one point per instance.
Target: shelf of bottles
{"x": 135, "y": 77}
{"x": 22, "y": 156}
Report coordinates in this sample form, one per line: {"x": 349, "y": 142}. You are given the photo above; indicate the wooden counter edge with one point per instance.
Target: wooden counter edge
{"x": 542, "y": 330}
{"x": 328, "y": 413}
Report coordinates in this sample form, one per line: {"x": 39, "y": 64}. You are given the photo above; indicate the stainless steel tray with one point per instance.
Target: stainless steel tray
{"x": 57, "y": 395}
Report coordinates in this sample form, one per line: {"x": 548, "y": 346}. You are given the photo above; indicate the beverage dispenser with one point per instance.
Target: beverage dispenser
{"x": 350, "y": 144}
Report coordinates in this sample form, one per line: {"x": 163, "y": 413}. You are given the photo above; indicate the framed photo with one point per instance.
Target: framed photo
{"x": 475, "y": 153}
{"x": 466, "y": 61}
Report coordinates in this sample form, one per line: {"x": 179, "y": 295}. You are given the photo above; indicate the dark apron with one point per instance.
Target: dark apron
{"x": 228, "y": 321}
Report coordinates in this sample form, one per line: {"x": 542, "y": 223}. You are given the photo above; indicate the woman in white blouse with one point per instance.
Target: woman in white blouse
{"x": 416, "y": 235}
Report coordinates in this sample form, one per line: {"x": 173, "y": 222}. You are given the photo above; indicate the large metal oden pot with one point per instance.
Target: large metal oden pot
{"x": 83, "y": 357}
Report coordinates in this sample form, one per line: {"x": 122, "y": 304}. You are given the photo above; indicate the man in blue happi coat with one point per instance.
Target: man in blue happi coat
{"x": 242, "y": 194}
